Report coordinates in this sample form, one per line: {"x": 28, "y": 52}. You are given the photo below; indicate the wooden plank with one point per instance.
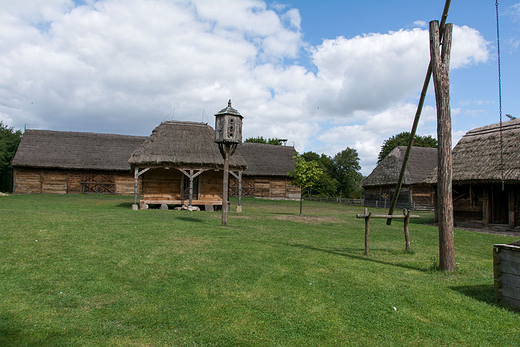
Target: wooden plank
{"x": 509, "y": 255}
{"x": 514, "y": 303}
{"x": 508, "y": 267}
{"x": 394, "y": 216}
{"x": 513, "y": 281}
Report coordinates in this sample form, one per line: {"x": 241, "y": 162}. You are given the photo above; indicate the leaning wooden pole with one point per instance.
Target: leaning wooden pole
{"x": 440, "y": 70}
{"x": 416, "y": 120}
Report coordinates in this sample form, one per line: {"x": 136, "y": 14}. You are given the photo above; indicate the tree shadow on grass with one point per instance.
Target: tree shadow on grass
{"x": 127, "y": 205}
{"x": 483, "y": 292}
{"x": 189, "y": 219}
{"x": 354, "y": 253}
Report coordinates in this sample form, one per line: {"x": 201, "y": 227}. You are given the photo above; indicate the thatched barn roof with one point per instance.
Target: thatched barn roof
{"x": 267, "y": 160}
{"x": 75, "y": 150}
{"x": 476, "y": 157}
{"x": 421, "y": 162}
{"x": 182, "y": 144}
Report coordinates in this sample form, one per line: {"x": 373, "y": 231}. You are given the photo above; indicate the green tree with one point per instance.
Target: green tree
{"x": 9, "y": 139}
{"x": 305, "y": 175}
{"x": 345, "y": 169}
{"x": 260, "y": 139}
{"x": 326, "y": 185}
{"x": 402, "y": 139}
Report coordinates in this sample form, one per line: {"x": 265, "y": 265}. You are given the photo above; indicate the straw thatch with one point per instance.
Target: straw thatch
{"x": 45, "y": 149}
{"x": 421, "y": 162}
{"x": 476, "y": 157}
{"x": 182, "y": 144}
{"x": 267, "y": 160}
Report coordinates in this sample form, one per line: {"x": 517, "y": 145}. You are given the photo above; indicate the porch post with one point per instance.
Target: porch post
{"x": 191, "y": 186}
{"x": 239, "y": 207}
{"x": 136, "y": 180}
{"x": 512, "y": 216}
{"x": 485, "y": 206}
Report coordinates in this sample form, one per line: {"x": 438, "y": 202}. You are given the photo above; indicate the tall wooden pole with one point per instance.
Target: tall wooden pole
{"x": 416, "y": 120}
{"x": 226, "y": 150}
{"x": 440, "y": 69}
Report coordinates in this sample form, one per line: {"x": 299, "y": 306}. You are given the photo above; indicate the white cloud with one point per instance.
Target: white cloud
{"x": 122, "y": 66}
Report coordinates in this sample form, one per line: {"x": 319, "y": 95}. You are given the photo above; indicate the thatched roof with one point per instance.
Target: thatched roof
{"x": 476, "y": 157}
{"x": 75, "y": 150}
{"x": 182, "y": 144}
{"x": 267, "y": 160}
{"x": 421, "y": 162}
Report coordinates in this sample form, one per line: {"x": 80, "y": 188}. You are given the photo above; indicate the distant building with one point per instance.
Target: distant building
{"x": 266, "y": 173}
{"x": 74, "y": 162}
{"x": 379, "y": 186}
{"x": 486, "y": 176}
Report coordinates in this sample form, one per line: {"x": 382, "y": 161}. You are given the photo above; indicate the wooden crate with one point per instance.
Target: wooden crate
{"x": 506, "y": 269}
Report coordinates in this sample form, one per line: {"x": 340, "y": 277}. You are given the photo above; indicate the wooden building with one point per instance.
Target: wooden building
{"x": 486, "y": 176}
{"x": 74, "y": 162}
{"x": 266, "y": 173}
{"x": 180, "y": 164}
{"x": 380, "y": 185}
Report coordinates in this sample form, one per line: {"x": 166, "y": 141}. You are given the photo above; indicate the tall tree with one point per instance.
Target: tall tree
{"x": 402, "y": 139}
{"x": 305, "y": 175}
{"x": 345, "y": 169}
{"x": 9, "y": 139}
{"x": 326, "y": 185}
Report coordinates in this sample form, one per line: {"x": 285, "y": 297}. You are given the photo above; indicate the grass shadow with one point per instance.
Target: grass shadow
{"x": 127, "y": 205}
{"x": 484, "y": 293}
{"x": 189, "y": 219}
{"x": 349, "y": 253}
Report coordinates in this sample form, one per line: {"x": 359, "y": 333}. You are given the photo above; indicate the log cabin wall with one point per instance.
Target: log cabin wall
{"x": 265, "y": 187}
{"x": 162, "y": 185}
{"x": 211, "y": 185}
{"x": 44, "y": 181}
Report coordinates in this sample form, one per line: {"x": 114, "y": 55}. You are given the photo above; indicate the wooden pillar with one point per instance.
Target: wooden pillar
{"x": 225, "y": 180}
{"x": 136, "y": 180}
{"x": 512, "y": 217}
{"x": 407, "y": 215}
{"x": 191, "y": 187}
{"x": 239, "y": 207}
{"x": 367, "y": 230}
{"x": 485, "y": 206}
{"x": 440, "y": 69}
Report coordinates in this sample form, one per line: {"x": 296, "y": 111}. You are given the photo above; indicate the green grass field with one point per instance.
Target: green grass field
{"x": 85, "y": 270}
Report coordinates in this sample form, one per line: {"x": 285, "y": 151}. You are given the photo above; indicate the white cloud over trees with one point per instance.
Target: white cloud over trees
{"x": 122, "y": 66}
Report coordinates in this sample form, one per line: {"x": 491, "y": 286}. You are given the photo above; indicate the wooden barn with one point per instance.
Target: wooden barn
{"x": 74, "y": 162}
{"x": 486, "y": 176}
{"x": 266, "y": 174}
{"x": 380, "y": 185}
{"x": 180, "y": 164}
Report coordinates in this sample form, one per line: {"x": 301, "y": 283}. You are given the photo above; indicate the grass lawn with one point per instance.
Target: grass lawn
{"x": 86, "y": 270}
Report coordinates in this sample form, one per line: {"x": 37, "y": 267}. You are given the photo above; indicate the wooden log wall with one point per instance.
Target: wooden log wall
{"x": 41, "y": 181}
{"x": 267, "y": 187}
{"x": 163, "y": 185}
{"x": 506, "y": 269}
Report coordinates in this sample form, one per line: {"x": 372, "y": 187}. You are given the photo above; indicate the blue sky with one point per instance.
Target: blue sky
{"x": 325, "y": 75}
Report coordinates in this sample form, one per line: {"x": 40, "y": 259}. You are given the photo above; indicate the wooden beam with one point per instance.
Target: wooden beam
{"x": 386, "y": 216}
{"x": 440, "y": 61}
{"x": 416, "y": 118}
{"x": 367, "y": 230}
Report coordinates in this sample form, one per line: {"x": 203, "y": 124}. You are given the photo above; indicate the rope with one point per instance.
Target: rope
{"x": 500, "y": 96}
